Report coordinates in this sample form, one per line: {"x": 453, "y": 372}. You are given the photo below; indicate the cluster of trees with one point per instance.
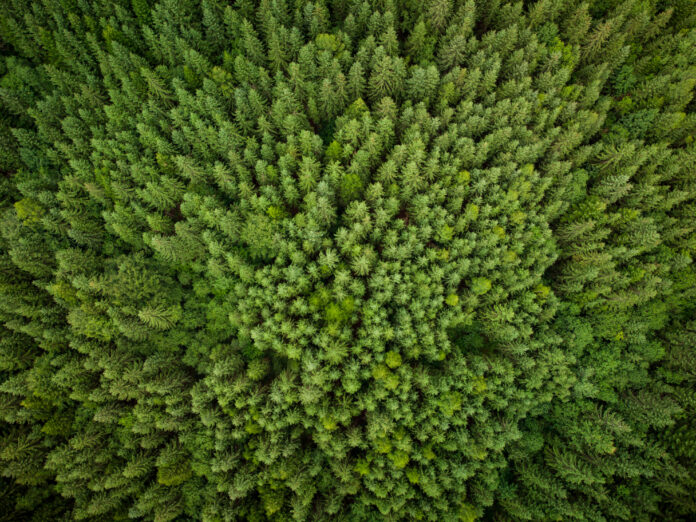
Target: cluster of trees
{"x": 347, "y": 260}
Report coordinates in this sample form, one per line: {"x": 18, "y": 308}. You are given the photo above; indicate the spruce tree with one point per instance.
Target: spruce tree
{"x": 290, "y": 260}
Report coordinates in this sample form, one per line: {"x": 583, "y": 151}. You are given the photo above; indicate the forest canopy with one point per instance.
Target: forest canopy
{"x": 347, "y": 260}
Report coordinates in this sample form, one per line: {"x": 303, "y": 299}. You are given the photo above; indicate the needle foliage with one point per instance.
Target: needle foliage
{"x": 347, "y": 260}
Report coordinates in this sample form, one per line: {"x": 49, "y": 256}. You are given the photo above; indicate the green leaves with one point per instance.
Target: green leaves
{"x": 173, "y": 467}
{"x": 28, "y": 211}
{"x": 393, "y": 359}
{"x": 160, "y": 317}
{"x": 480, "y": 285}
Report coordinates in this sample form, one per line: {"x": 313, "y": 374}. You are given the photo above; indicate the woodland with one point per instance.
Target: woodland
{"x": 347, "y": 260}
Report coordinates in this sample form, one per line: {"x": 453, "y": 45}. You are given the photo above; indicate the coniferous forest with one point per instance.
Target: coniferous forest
{"x": 351, "y": 260}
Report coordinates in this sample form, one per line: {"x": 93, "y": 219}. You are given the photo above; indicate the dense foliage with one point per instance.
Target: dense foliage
{"x": 347, "y": 260}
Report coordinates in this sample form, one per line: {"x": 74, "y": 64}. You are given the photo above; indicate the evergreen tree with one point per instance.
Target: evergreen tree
{"x": 361, "y": 260}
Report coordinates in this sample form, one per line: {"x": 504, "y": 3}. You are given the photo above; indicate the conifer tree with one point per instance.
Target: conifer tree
{"x": 357, "y": 260}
